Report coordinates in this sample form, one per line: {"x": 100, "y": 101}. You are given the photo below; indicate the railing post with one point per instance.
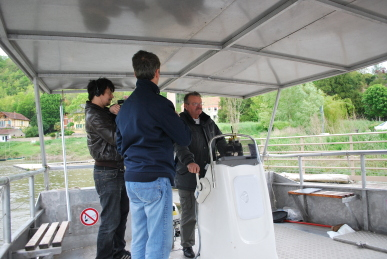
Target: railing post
{"x": 364, "y": 191}
{"x": 300, "y": 171}
{"x": 7, "y": 213}
{"x": 302, "y": 150}
{"x": 351, "y": 158}
{"x": 31, "y": 181}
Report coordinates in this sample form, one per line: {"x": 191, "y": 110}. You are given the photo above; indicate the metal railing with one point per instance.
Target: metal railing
{"x": 5, "y": 183}
{"x": 362, "y": 154}
{"x": 316, "y": 144}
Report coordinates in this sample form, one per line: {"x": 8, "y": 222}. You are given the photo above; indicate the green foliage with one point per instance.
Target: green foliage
{"x": 349, "y": 85}
{"x": 248, "y": 128}
{"x": 281, "y": 124}
{"x": 31, "y": 131}
{"x": 76, "y": 103}
{"x": 296, "y": 106}
{"x": 50, "y": 110}
{"x": 335, "y": 109}
{"x": 26, "y": 103}
{"x": 68, "y": 132}
{"x": 375, "y": 101}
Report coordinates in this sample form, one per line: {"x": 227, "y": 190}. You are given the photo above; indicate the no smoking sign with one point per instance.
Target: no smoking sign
{"x": 89, "y": 217}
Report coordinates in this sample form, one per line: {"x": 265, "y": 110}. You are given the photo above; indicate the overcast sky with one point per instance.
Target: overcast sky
{"x": 2, "y": 53}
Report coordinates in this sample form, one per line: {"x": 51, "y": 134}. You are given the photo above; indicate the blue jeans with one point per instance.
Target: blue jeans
{"x": 151, "y": 210}
{"x": 110, "y": 186}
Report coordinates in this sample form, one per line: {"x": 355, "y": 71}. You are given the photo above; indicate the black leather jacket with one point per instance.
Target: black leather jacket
{"x": 101, "y": 135}
{"x": 197, "y": 151}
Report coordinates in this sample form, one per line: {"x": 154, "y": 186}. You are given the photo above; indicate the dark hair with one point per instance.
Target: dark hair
{"x": 98, "y": 87}
{"x": 190, "y": 94}
{"x": 145, "y": 64}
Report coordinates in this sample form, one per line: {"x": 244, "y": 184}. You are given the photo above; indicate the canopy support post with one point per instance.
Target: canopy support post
{"x": 64, "y": 159}
{"x": 41, "y": 133}
{"x": 271, "y": 122}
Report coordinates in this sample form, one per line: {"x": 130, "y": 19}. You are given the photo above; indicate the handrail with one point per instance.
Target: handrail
{"x": 327, "y": 135}
{"x": 7, "y": 179}
{"x": 6, "y": 200}
{"x": 222, "y": 136}
{"x": 332, "y": 153}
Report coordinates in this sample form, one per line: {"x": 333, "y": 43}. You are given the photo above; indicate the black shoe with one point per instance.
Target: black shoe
{"x": 123, "y": 255}
{"x": 188, "y": 252}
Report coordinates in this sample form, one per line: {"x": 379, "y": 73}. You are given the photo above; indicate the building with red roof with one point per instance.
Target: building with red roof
{"x": 13, "y": 120}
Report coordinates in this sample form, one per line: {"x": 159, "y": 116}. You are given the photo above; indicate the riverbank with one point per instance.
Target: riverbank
{"x": 76, "y": 149}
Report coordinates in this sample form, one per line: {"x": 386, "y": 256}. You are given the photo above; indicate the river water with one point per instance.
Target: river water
{"x": 20, "y": 211}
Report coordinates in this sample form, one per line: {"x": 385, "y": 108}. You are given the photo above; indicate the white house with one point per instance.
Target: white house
{"x": 7, "y": 134}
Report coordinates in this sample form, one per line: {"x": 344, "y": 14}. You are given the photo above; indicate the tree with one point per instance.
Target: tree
{"x": 335, "y": 109}
{"x": 297, "y": 105}
{"x": 234, "y": 108}
{"x": 349, "y": 85}
{"x": 26, "y": 104}
{"x": 380, "y": 76}
{"x": 227, "y": 110}
{"x": 76, "y": 104}
{"x": 31, "y": 131}
{"x": 50, "y": 110}
{"x": 375, "y": 102}
{"x": 261, "y": 108}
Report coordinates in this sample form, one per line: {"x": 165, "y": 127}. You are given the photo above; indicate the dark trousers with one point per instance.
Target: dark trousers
{"x": 188, "y": 218}
{"x": 110, "y": 186}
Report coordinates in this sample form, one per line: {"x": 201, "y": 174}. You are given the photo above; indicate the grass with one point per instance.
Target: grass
{"x": 76, "y": 149}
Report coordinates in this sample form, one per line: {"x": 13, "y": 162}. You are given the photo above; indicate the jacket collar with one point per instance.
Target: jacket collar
{"x": 89, "y": 104}
{"x": 147, "y": 84}
{"x": 204, "y": 118}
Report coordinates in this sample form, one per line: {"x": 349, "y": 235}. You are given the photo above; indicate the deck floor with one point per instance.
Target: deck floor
{"x": 294, "y": 241}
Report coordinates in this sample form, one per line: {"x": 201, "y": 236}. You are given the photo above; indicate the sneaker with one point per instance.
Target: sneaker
{"x": 123, "y": 255}
{"x": 188, "y": 252}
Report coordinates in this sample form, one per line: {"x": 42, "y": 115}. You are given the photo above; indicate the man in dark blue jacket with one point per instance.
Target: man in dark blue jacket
{"x": 147, "y": 128}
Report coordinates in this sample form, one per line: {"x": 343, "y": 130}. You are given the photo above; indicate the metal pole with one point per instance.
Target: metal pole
{"x": 271, "y": 122}
{"x": 322, "y": 118}
{"x": 300, "y": 171}
{"x": 41, "y": 133}
{"x": 7, "y": 212}
{"x": 31, "y": 181}
{"x": 364, "y": 191}
{"x": 64, "y": 161}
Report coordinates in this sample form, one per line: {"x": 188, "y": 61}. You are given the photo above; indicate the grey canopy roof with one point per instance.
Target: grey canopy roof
{"x": 235, "y": 48}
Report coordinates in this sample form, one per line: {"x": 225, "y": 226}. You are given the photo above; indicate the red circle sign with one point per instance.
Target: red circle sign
{"x": 89, "y": 217}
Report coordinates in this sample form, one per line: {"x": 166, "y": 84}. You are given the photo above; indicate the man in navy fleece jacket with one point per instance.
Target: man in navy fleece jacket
{"x": 147, "y": 128}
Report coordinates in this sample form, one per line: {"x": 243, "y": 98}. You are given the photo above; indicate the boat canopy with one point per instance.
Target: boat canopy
{"x": 227, "y": 48}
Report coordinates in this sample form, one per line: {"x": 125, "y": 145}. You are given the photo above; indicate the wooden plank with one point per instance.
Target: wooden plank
{"x": 328, "y": 194}
{"x": 60, "y": 234}
{"x": 348, "y": 194}
{"x": 34, "y": 241}
{"x": 47, "y": 239}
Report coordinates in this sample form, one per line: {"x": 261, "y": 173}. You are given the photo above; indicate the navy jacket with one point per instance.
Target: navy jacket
{"x": 147, "y": 128}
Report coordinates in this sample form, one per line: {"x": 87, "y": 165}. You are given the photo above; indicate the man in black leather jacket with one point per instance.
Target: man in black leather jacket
{"x": 192, "y": 160}
{"x": 108, "y": 169}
